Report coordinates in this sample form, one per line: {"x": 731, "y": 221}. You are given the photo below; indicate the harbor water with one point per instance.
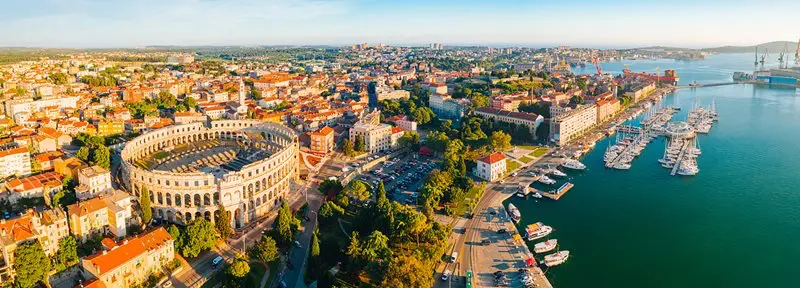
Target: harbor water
{"x": 735, "y": 224}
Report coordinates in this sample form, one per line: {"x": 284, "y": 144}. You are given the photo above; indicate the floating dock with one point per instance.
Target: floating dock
{"x": 555, "y": 195}
{"x": 680, "y": 159}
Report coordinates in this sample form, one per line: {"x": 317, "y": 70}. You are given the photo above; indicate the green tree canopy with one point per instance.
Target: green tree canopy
{"x": 266, "y": 249}
{"x": 31, "y": 264}
{"x": 200, "y": 236}
{"x": 347, "y": 148}
{"x": 283, "y": 225}
{"x": 358, "y": 190}
{"x": 144, "y": 203}
{"x": 177, "y": 236}
{"x": 315, "y": 245}
{"x": 222, "y": 223}
{"x": 501, "y": 141}
{"x": 405, "y": 271}
{"x": 83, "y": 154}
{"x": 239, "y": 268}
{"x": 102, "y": 157}
{"x": 360, "y": 146}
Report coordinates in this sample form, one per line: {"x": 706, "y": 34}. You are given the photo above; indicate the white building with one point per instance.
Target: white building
{"x": 376, "y": 138}
{"x": 572, "y": 124}
{"x": 530, "y": 120}
{"x": 15, "y": 161}
{"x": 491, "y": 168}
{"x": 94, "y": 180}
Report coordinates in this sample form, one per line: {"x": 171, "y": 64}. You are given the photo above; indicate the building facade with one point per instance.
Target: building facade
{"x": 15, "y": 162}
{"x": 93, "y": 181}
{"x": 572, "y": 124}
{"x": 129, "y": 262}
{"x": 376, "y": 138}
{"x": 606, "y": 109}
{"x": 446, "y": 107}
{"x": 322, "y": 140}
{"x": 491, "y": 168}
{"x": 529, "y": 120}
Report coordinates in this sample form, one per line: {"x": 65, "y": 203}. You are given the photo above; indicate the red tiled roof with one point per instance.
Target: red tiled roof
{"x": 108, "y": 261}
{"x": 493, "y": 158}
{"x": 19, "y": 228}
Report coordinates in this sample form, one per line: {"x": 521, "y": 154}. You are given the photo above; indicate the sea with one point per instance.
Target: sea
{"x": 735, "y": 224}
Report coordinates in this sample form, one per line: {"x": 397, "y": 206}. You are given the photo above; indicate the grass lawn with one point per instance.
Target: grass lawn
{"x": 538, "y": 152}
{"x": 253, "y": 278}
{"x": 511, "y": 166}
{"x": 526, "y": 159}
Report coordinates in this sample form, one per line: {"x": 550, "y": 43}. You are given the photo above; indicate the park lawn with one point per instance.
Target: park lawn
{"x": 511, "y": 166}
{"x": 526, "y": 159}
{"x": 538, "y": 152}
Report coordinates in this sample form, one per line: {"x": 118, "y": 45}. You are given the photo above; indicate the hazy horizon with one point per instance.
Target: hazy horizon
{"x": 591, "y": 24}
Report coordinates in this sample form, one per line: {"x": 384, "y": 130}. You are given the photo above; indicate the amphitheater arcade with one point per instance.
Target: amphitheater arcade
{"x": 246, "y": 193}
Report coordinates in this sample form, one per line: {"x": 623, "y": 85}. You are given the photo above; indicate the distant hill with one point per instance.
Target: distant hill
{"x": 773, "y": 47}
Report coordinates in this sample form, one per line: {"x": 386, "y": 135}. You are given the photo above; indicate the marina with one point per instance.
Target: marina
{"x": 558, "y": 193}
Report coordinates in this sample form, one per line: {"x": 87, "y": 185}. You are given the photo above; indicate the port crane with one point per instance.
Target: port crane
{"x": 755, "y": 64}
{"x": 797, "y": 54}
{"x": 784, "y": 61}
{"x": 764, "y": 56}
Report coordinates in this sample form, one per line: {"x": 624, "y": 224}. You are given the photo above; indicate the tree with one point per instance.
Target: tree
{"x": 176, "y": 235}
{"x": 330, "y": 209}
{"x": 359, "y": 145}
{"x": 576, "y": 100}
{"x": 347, "y": 148}
{"x": 410, "y": 139}
{"x": 190, "y": 102}
{"x": 404, "y": 271}
{"x": 284, "y": 224}
{"x": 83, "y": 154}
{"x": 315, "y": 245}
{"x": 354, "y": 249}
{"x": 376, "y": 247}
{"x": 31, "y": 264}
{"x": 357, "y": 190}
{"x": 239, "y": 268}
{"x": 501, "y": 141}
{"x": 67, "y": 252}
{"x": 222, "y": 222}
{"x": 102, "y": 157}
{"x": 265, "y": 250}
{"x": 144, "y": 203}
{"x": 200, "y": 236}
{"x": 330, "y": 187}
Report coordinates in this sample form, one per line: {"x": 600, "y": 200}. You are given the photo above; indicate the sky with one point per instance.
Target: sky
{"x": 577, "y": 23}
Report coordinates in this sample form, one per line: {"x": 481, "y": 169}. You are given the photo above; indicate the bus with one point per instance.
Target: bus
{"x": 469, "y": 278}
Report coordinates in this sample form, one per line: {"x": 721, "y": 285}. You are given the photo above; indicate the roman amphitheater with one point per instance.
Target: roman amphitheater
{"x": 192, "y": 170}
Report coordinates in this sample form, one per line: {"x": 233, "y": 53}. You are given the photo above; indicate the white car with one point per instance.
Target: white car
{"x": 446, "y": 275}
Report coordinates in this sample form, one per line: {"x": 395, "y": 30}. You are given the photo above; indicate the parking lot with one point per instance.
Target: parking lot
{"x": 402, "y": 176}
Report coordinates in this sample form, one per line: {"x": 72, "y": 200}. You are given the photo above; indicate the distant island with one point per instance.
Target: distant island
{"x": 774, "y": 46}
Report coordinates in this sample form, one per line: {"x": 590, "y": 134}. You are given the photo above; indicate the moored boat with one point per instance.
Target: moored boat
{"x": 557, "y": 258}
{"x": 537, "y": 230}
{"x": 545, "y": 246}
{"x": 514, "y": 213}
{"x": 573, "y": 164}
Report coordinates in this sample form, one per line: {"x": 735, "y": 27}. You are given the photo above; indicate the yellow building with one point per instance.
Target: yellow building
{"x": 100, "y": 215}
{"x": 322, "y": 140}
{"x": 106, "y": 128}
{"x": 129, "y": 262}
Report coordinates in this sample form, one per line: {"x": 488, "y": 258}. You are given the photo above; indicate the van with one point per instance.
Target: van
{"x": 454, "y": 257}
{"x": 216, "y": 261}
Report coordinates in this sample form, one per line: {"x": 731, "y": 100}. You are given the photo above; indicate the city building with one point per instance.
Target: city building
{"x": 322, "y": 140}
{"x": 445, "y": 107}
{"x": 108, "y": 213}
{"x": 491, "y": 168}
{"x": 47, "y": 227}
{"x": 92, "y": 181}
{"x": 15, "y": 162}
{"x": 404, "y": 123}
{"x": 129, "y": 262}
{"x": 572, "y": 124}
{"x": 376, "y": 138}
{"x": 107, "y": 128}
{"x": 607, "y": 108}
{"x": 530, "y": 120}
{"x": 40, "y": 185}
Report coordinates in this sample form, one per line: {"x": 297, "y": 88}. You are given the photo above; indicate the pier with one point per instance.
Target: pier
{"x": 681, "y": 157}
{"x": 558, "y": 193}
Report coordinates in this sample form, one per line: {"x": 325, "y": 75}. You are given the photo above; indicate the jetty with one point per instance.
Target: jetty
{"x": 556, "y": 194}
{"x": 681, "y": 157}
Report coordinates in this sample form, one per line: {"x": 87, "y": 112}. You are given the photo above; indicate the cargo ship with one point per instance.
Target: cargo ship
{"x": 669, "y": 77}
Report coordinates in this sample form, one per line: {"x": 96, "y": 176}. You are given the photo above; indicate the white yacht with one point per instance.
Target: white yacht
{"x": 546, "y": 180}
{"x": 556, "y": 258}
{"x": 573, "y": 164}
{"x": 622, "y": 166}
{"x": 537, "y": 195}
{"x": 514, "y": 213}
{"x": 545, "y": 246}
{"x": 558, "y": 173}
{"x": 537, "y": 230}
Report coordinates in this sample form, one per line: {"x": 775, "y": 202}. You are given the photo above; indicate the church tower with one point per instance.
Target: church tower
{"x": 241, "y": 91}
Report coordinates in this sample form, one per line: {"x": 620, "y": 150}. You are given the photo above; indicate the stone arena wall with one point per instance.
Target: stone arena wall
{"x": 246, "y": 194}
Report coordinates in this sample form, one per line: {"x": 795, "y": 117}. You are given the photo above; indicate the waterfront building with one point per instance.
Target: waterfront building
{"x": 572, "y": 124}
{"x": 529, "y": 120}
{"x": 92, "y": 181}
{"x": 641, "y": 90}
{"x": 491, "y": 168}
{"x": 607, "y": 108}
{"x": 129, "y": 262}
